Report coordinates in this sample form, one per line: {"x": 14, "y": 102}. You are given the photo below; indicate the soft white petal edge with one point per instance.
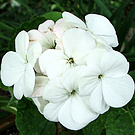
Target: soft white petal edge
{"x": 101, "y": 26}
{"x": 19, "y": 89}
{"x": 12, "y": 68}
{"x": 21, "y": 43}
{"x": 118, "y": 92}
{"x": 65, "y": 117}
{"x": 73, "y": 20}
{"x": 29, "y": 80}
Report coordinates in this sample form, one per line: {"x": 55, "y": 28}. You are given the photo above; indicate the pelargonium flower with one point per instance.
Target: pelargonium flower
{"x": 17, "y": 67}
{"x": 77, "y": 43}
{"x": 65, "y": 104}
{"x": 106, "y": 82}
{"x": 99, "y": 26}
{"x": 44, "y": 35}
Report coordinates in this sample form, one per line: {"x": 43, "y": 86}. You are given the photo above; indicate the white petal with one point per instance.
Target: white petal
{"x": 50, "y": 43}
{"x": 36, "y": 35}
{"x": 60, "y": 27}
{"x": 40, "y": 103}
{"x": 114, "y": 64}
{"x": 118, "y": 92}
{"x": 57, "y": 68}
{"x": 65, "y": 117}
{"x": 53, "y": 62}
{"x": 54, "y": 91}
{"x": 29, "y": 80}
{"x": 89, "y": 80}
{"x": 40, "y": 84}
{"x": 96, "y": 55}
{"x": 71, "y": 78}
{"x": 19, "y": 89}
{"x": 97, "y": 102}
{"x": 111, "y": 40}
{"x": 77, "y": 43}
{"x": 12, "y": 68}
{"x": 47, "y": 25}
{"x": 80, "y": 111}
{"x": 73, "y": 20}
{"x": 33, "y": 53}
{"x": 37, "y": 67}
{"x": 51, "y": 111}
{"x": 21, "y": 43}
{"x": 101, "y": 26}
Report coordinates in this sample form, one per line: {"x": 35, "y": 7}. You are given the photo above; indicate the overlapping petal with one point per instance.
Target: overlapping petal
{"x": 101, "y": 26}
{"x": 46, "y": 26}
{"x": 60, "y": 27}
{"x": 96, "y": 100}
{"x": 19, "y": 88}
{"x": 29, "y": 80}
{"x": 77, "y": 43}
{"x": 118, "y": 92}
{"x": 114, "y": 64}
{"x": 53, "y": 62}
{"x": 65, "y": 117}
{"x": 12, "y": 68}
{"x": 73, "y": 20}
{"x": 80, "y": 111}
{"x": 33, "y": 53}
{"x": 40, "y": 84}
{"x": 22, "y": 43}
{"x": 54, "y": 91}
{"x": 40, "y": 103}
{"x": 51, "y": 111}
{"x": 89, "y": 80}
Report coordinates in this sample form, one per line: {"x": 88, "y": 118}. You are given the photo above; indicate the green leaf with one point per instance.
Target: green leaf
{"x": 4, "y": 37}
{"x": 52, "y": 16}
{"x": 30, "y": 122}
{"x": 103, "y": 7}
{"x": 4, "y": 101}
{"x": 4, "y": 104}
{"x": 113, "y": 122}
{"x": 9, "y": 109}
{"x": 3, "y": 25}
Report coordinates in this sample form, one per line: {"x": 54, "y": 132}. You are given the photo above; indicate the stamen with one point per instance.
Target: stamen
{"x": 100, "y": 76}
{"x": 73, "y": 92}
{"x": 71, "y": 60}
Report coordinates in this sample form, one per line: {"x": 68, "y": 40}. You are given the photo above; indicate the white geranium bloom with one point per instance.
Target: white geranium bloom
{"x": 65, "y": 104}
{"x": 99, "y": 26}
{"x": 44, "y": 35}
{"x": 17, "y": 67}
{"x": 77, "y": 43}
{"x": 107, "y": 82}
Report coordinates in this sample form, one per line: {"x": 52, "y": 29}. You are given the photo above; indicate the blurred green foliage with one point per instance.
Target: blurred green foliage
{"x": 16, "y": 15}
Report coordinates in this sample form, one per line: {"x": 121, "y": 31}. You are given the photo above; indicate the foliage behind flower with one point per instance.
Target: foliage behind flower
{"x": 78, "y": 75}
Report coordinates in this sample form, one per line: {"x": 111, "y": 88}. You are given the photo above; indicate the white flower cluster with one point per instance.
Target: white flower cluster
{"x": 69, "y": 69}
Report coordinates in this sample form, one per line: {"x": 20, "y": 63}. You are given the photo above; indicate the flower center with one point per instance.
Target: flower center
{"x": 100, "y": 76}
{"x": 73, "y": 92}
{"x": 71, "y": 60}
